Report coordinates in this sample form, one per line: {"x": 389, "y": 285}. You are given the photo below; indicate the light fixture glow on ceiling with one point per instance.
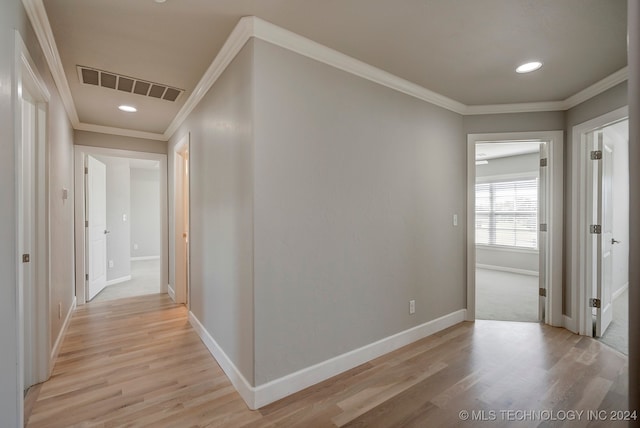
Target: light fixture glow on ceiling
{"x": 128, "y": 109}
{"x": 529, "y": 67}
{"x": 159, "y": 1}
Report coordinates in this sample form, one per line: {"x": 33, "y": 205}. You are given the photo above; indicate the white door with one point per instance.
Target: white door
{"x": 543, "y": 182}
{"x": 26, "y": 233}
{"x": 96, "y": 197}
{"x": 604, "y": 279}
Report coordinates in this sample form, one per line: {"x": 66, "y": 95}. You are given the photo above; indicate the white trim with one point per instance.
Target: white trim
{"x": 267, "y": 393}
{"x": 514, "y": 108}
{"x": 137, "y": 259}
{"x": 507, "y": 269}
{"x": 118, "y": 280}
{"x": 119, "y": 131}
{"x": 597, "y": 88}
{"x": 507, "y": 249}
{"x": 294, "y": 382}
{"x": 580, "y": 269}
{"x": 80, "y": 152}
{"x": 570, "y": 324}
{"x": 38, "y": 16}
{"x": 55, "y": 350}
{"x": 244, "y": 388}
{"x": 251, "y": 26}
{"x": 619, "y": 291}
{"x": 171, "y": 293}
{"x": 232, "y": 46}
{"x": 526, "y": 175}
{"x": 553, "y": 258}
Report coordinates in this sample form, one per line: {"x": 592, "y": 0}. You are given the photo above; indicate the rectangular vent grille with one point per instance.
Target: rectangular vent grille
{"x": 92, "y": 76}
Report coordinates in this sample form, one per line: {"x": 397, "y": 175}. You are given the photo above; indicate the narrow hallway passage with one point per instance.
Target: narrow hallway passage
{"x": 136, "y": 361}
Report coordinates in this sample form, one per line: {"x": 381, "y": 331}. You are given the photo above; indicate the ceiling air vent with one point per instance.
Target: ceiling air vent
{"x": 95, "y": 77}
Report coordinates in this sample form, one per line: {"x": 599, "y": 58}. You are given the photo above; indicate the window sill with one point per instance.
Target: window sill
{"x": 507, "y": 249}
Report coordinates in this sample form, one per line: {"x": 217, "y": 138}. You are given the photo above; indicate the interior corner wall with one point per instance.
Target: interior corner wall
{"x": 603, "y": 103}
{"x": 221, "y": 210}
{"x": 97, "y": 139}
{"x": 118, "y": 205}
{"x": 145, "y": 217}
{"x": 355, "y": 188}
{"x": 60, "y": 176}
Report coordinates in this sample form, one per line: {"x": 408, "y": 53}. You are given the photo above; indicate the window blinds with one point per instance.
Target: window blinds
{"x": 507, "y": 213}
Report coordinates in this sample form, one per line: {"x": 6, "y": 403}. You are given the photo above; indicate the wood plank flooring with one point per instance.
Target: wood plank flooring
{"x": 137, "y": 362}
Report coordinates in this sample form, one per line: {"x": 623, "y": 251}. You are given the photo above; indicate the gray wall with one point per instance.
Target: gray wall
{"x": 606, "y": 102}
{"x": 12, "y": 16}
{"x": 351, "y": 217}
{"x": 221, "y": 241}
{"x": 502, "y": 257}
{"x": 145, "y": 215}
{"x": 118, "y": 204}
{"x": 96, "y": 139}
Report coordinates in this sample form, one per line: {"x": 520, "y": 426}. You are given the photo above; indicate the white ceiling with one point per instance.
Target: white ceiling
{"x": 466, "y": 50}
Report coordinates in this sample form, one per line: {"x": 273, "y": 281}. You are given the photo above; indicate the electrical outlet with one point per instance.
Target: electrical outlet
{"x": 59, "y": 310}
{"x": 135, "y": 246}
{"x": 124, "y": 217}
{"x": 455, "y": 219}
{"x": 412, "y": 306}
{"x": 110, "y": 263}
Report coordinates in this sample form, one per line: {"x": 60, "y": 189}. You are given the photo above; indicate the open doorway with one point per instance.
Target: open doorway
{"x": 129, "y": 258}
{"x": 604, "y": 264}
{"x": 507, "y": 259}
{"x": 519, "y": 213}
{"x": 121, "y": 222}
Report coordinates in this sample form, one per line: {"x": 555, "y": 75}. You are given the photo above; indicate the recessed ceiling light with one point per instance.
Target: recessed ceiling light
{"x": 159, "y": 1}
{"x": 482, "y": 162}
{"x": 529, "y": 67}
{"x": 128, "y": 109}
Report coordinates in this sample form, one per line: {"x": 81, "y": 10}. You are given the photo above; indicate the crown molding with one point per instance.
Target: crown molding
{"x": 242, "y": 32}
{"x": 597, "y": 88}
{"x": 39, "y": 20}
{"x": 251, "y": 26}
{"x": 514, "y": 108}
{"x": 119, "y": 131}
{"x": 301, "y": 45}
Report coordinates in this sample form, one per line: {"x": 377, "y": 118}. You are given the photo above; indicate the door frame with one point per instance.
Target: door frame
{"x": 33, "y": 310}
{"x": 79, "y": 207}
{"x": 553, "y": 266}
{"x": 180, "y": 264}
{"x": 581, "y": 201}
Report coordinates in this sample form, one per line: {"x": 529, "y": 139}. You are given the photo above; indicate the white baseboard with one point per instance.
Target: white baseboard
{"x": 241, "y": 384}
{"x": 118, "y": 280}
{"x": 58, "y": 343}
{"x": 507, "y": 269}
{"x": 260, "y": 396}
{"x": 171, "y": 292}
{"x": 570, "y": 324}
{"x": 137, "y": 259}
{"x": 619, "y": 291}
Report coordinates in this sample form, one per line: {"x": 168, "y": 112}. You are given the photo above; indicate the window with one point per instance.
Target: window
{"x": 507, "y": 213}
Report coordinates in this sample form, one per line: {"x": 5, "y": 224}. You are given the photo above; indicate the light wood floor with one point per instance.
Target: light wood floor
{"x": 137, "y": 362}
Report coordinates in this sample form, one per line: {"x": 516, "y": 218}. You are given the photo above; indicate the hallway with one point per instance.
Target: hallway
{"x": 137, "y": 362}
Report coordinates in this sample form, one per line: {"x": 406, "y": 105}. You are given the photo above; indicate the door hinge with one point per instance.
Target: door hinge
{"x": 595, "y": 303}
{"x": 26, "y": 258}
{"x": 86, "y": 223}
{"x": 596, "y": 155}
{"x": 543, "y": 227}
{"x": 543, "y": 162}
{"x": 86, "y": 170}
{"x": 86, "y": 276}
{"x": 542, "y": 292}
{"x": 595, "y": 229}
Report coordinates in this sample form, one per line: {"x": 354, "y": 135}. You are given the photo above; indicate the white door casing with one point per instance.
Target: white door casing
{"x": 543, "y": 183}
{"x": 96, "y": 197}
{"x": 181, "y": 220}
{"x": 604, "y": 276}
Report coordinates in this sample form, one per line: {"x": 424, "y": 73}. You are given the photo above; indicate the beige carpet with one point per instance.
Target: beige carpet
{"x": 506, "y": 296}
{"x": 145, "y": 279}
